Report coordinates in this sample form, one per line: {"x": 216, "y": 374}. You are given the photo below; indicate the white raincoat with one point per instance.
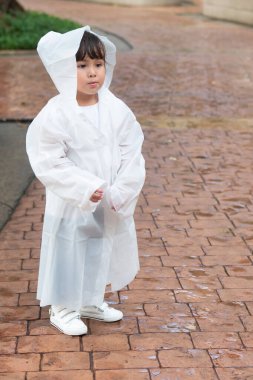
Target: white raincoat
{"x": 85, "y": 245}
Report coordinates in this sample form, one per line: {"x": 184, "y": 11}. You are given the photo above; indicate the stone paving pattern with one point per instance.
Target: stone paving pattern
{"x": 189, "y": 312}
{"x": 191, "y": 65}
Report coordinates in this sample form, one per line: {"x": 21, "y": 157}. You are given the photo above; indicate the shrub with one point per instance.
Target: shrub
{"x": 22, "y": 30}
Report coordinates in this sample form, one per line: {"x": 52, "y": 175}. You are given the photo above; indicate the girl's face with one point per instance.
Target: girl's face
{"x": 90, "y": 78}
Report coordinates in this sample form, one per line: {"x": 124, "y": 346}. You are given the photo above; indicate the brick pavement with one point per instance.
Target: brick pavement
{"x": 189, "y": 312}
{"x": 182, "y": 64}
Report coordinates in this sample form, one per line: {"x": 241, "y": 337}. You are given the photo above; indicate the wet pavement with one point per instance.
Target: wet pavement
{"x": 189, "y": 312}
{"x": 182, "y": 64}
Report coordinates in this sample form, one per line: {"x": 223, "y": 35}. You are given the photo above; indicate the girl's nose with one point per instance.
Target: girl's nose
{"x": 92, "y": 72}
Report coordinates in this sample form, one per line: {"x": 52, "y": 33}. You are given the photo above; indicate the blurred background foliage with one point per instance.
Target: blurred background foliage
{"x": 20, "y": 29}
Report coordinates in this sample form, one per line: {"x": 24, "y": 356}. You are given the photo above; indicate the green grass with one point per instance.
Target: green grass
{"x": 22, "y": 30}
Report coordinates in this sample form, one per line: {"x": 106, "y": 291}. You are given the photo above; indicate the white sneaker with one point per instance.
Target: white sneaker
{"x": 67, "y": 321}
{"x": 102, "y": 313}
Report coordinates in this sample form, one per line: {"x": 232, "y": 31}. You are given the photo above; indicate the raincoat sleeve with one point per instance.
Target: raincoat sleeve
{"x": 131, "y": 174}
{"x": 47, "y": 146}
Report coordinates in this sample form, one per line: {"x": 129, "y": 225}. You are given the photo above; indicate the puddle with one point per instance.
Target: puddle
{"x": 233, "y": 355}
{"x": 181, "y": 326}
{"x": 201, "y": 286}
{"x": 238, "y": 270}
{"x": 155, "y": 372}
{"x": 190, "y": 371}
{"x": 152, "y": 357}
{"x": 215, "y": 356}
{"x": 198, "y": 272}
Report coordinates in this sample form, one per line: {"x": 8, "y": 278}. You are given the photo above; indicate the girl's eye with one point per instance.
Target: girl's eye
{"x": 81, "y": 66}
{"x": 99, "y": 64}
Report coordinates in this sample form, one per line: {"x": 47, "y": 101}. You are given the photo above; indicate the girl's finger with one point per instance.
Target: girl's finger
{"x": 96, "y": 197}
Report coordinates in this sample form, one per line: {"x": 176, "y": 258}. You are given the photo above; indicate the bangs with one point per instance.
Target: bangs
{"x": 90, "y": 46}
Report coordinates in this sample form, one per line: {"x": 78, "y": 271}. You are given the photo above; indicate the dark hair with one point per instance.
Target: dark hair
{"x": 92, "y": 46}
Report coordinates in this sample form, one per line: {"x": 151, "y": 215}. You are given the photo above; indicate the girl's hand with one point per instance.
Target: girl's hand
{"x": 97, "y": 195}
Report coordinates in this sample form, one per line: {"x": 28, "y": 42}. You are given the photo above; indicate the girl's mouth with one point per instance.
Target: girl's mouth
{"x": 93, "y": 84}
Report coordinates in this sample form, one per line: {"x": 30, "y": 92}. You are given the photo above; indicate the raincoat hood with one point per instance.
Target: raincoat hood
{"x": 57, "y": 52}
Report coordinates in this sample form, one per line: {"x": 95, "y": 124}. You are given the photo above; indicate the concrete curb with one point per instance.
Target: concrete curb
{"x": 16, "y": 173}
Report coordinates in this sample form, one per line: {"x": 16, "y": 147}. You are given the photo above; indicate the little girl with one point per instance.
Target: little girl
{"x": 85, "y": 147}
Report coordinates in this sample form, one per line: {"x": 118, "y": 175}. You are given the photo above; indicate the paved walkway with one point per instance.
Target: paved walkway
{"x": 189, "y": 313}
{"x": 182, "y": 64}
